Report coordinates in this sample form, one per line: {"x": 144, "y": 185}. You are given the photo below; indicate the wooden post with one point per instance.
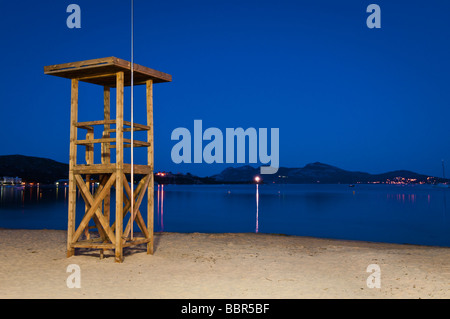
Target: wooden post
{"x": 106, "y": 151}
{"x": 72, "y": 163}
{"x": 150, "y": 161}
{"x": 119, "y": 166}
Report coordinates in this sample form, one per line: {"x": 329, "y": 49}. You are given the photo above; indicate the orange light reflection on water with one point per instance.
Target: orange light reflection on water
{"x": 160, "y": 207}
{"x": 257, "y": 208}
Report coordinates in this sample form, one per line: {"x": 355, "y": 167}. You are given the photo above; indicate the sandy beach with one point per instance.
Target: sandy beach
{"x": 33, "y": 264}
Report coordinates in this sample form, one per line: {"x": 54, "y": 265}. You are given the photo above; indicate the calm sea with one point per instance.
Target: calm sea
{"x": 412, "y": 214}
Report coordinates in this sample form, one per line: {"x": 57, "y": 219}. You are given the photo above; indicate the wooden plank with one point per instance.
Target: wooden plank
{"x": 88, "y": 245}
{"x": 126, "y": 129}
{"x": 96, "y": 76}
{"x": 92, "y": 240}
{"x": 95, "y": 141}
{"x": 102, "y": 72}
{"x": 110, "y": 168}
{"x": 86, "y": 127}
{"x": 72, "y": 163}
{"x": 95, "y": 169}
{"x": 136, "y": 143}
{"x": 90, "y": 123}
{"x": 79, "y": 64}
{"x": 136, "y": 241}
{"x": 150, "y": 161}
{"x": 138, "y": 169}
{"x": 89, "y": 142}
{"x": 137, "y": 126}
{"x": 119, "y": 166}
{"x": 139, "y": 69}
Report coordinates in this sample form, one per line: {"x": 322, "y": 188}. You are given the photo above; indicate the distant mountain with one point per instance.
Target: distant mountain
{"x": 320, "y": 173}
{"x": 239, "y": 174}
{"x": 33, "y": 169}
{"x": 47, "y": 171}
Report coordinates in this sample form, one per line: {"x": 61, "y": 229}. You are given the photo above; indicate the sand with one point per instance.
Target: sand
{"x": 33, "y": 264}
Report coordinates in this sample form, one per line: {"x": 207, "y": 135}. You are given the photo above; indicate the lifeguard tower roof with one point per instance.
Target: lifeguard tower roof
{"x": 103, "y": 72}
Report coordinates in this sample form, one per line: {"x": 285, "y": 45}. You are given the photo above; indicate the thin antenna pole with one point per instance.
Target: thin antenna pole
{"x": 443, "y": 169}
{"x": 132, "y": 120}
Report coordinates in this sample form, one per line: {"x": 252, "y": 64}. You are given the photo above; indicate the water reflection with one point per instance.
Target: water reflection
{"x": 160, "y": 207}
{"x": 431, "y": 199}
{"x": 404, "y": 198}
{"x": 24, "y": 195}
{"x": 383, "y": 213}
{"x": 445, "y": 207}
{"x": 257, "y": 208}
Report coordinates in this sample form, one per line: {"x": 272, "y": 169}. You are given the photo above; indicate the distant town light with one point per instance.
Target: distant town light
{"x": 257, "y": 179}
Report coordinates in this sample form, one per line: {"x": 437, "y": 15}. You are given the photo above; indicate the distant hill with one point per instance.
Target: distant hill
{"x": 319, "y": 173}
{"x": 180, "y": 179}
{"x": 33, "y": 169}
{"x": 47, "y": 171}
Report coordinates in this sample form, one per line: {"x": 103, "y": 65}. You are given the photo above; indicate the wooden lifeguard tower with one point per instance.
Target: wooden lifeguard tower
{"x": 110, "y": 73}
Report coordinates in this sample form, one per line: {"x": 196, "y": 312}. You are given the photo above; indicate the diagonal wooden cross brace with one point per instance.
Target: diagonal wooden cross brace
{"x": 138, "y": 197}
{"x": 94, "y": 208}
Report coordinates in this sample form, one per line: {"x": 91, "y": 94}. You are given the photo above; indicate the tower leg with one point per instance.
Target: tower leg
{"x": 72, "y": 163}
{"x": 150, "y": 208}
{"x": 150, "y": 160}
{"x": 106, "y": 152}
{"x": 119, "y": 167}
{"x": 71, "y": 217}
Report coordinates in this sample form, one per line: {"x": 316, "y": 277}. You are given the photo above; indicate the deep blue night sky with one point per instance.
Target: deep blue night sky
{"x": 372, "y": 100}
